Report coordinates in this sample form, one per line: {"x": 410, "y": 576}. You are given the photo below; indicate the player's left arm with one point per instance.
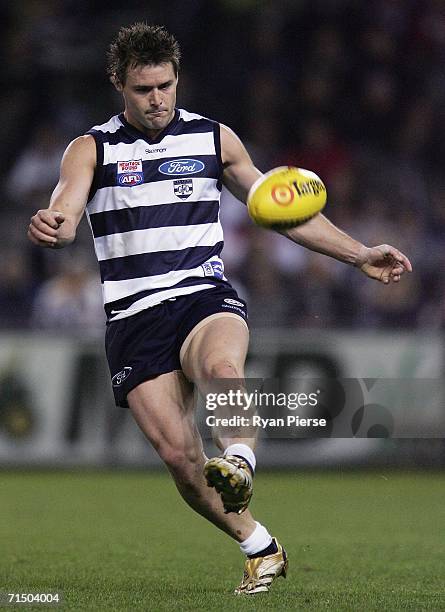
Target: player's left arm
{"x": 383, "y": 263}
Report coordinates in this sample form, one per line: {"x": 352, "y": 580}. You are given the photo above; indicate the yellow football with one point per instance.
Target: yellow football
{"x": 286, "y": 197}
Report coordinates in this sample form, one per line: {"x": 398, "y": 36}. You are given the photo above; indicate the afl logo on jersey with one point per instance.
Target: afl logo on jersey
{"x": 181, "y": 167}
{"x": 128, "y": 180}
{"x": 130, "y": 173}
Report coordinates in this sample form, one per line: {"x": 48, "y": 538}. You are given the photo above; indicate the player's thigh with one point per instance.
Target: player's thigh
{"x": 218, "y": 342}
{"x": 163, "y": 408}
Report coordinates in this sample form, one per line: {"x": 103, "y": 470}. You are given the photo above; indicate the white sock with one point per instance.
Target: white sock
{"x": 244, "y": 451}
{"x": 257, "y": 541}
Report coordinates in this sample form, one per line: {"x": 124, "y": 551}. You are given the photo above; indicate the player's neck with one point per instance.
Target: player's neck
{"x": 149, "y": 133}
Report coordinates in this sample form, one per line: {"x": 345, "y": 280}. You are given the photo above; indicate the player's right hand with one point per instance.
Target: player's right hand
{"x": 44, "y": 228}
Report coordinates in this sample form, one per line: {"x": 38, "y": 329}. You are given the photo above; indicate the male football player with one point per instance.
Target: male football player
{"x": 150, "y": 180}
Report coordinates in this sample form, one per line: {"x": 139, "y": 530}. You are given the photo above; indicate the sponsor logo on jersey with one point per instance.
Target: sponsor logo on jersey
{"x": 130, "y": 166}
{"x": 181, "y": 167}
{"x": 119, "y": 378}
{"x": 162, "y": 150}
{"x": 234, "y": 302}
{"x": 130, "y": 173}
{"x": 213, "y": 268}
{"x": 183, "y": 188}
{"x": 129, "y": 180}
{"x": 240, "y": 310}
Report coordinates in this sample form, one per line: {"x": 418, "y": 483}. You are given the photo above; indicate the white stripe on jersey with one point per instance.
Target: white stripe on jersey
{"x": 116, "y": 290}
{"x": 186, "y": 116}
{"x": 110, "y": 126}
{"x": 157, "y": 298}
{"x": 183, "y": 145}
{"x": 151, "y": 194}
{"x": 156, "y": 239}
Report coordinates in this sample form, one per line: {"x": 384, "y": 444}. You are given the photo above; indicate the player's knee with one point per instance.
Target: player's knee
{"x": 180, "y": 461}
{"x": 183, "y": 466}
{"x": 221, "y": 368}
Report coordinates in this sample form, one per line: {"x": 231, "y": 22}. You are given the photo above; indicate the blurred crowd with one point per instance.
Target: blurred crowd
{"x": 352, "y": 90}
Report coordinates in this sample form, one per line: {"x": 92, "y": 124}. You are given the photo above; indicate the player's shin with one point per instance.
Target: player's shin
{"x": 231, "y": 474}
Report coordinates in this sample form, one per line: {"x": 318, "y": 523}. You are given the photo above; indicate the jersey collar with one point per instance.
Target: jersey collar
{"x": 140, "y": 135}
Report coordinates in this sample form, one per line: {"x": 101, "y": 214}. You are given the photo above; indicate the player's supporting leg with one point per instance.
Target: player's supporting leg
{"x": 163, "y": 408}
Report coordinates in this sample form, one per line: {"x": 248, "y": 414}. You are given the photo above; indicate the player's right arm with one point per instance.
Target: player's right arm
{"x": 56, "y": 226}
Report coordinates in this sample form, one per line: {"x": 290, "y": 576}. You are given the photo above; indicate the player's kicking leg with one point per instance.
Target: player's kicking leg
{"x": 163, "y": 408}
{"x": 213, "y": 357}
{"x": 216, "y": 353}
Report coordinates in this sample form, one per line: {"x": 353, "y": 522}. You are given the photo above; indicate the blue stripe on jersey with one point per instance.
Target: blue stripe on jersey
{"x": 145, "y": 217}
{"x": 151, "y": 172}
{"x": 162, "y": 262}
{"x": 127, "y": 301}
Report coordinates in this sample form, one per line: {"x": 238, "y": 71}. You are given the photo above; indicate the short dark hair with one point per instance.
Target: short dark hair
{"x": 138, "y": 45}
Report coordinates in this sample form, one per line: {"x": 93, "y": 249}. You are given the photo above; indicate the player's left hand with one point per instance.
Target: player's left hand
{"x": 383, "y": 263}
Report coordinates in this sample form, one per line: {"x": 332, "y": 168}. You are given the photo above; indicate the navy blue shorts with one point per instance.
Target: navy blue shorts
{"x": 148, "y": 343}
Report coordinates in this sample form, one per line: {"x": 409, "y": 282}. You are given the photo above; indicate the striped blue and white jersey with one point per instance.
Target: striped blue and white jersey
{"x": 154, "y": 212}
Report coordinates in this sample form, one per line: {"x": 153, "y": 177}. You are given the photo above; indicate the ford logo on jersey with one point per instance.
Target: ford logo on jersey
{"x": 181, "y": 167}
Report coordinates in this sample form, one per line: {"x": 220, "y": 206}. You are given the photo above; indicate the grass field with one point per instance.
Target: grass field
{"x": 126, "y": 541}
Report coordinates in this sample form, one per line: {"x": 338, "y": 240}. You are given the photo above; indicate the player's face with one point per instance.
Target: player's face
{"x": 150, "y": 96}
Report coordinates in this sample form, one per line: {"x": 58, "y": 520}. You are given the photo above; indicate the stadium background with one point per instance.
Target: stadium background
{"x": 352, "y": 90}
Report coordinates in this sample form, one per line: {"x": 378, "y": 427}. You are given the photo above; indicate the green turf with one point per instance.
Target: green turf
{"x": 126, "y": 541}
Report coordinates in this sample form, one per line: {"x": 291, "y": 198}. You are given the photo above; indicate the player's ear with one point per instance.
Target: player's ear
{"x": 116, "y": 82}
